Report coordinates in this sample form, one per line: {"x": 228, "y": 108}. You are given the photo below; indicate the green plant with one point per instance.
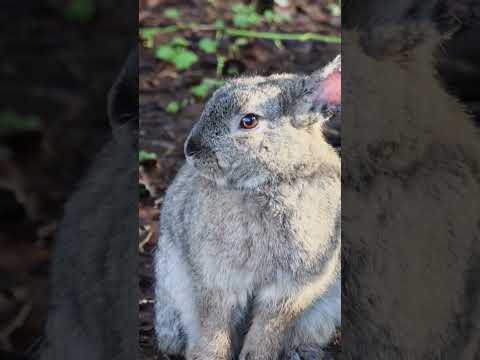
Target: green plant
{"x": 12, "y": 123}
{"x": 220, "y": 64}
{"x": 219, "y": 24}
{"x": 171, "y": 13}
{"x": 173, "y": 107}
{"x": 80, "y": 10}
{"x": 245, "y": 16}
{"x": 208, "y": 45}
{"x": 146, "y": 156}
{"x": 179, "y": 41}
{"x": 274, "y": 17}
{"x": 205, "y": 87}
{"x": 148, "y": 35}
{"x": 177, "y": 53}
{"x": 334, "y": 9}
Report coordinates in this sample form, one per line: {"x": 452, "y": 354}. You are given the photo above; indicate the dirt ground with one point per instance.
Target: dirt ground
{"x": 163, "y": 133}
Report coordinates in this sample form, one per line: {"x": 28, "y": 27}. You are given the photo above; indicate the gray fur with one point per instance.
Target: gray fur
{"x": 250, "y": 227}
{"x": 412, "y": 185}
{"x": 93, "y": 300}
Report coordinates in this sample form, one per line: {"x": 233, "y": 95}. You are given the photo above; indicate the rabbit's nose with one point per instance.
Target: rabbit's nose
{"x": 193, "y": 146}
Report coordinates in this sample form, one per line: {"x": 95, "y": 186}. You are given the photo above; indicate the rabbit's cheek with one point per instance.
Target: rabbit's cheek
{"x": 242, "y": 144}
{"x": 223, "y": 161}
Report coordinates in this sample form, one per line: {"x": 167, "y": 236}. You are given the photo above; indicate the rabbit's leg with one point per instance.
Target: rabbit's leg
{"x": 289, "y": 318}
{"x": 216, "y": 308}
{"x": 171, "y": 337}
{"x": 316, "y": 326}
{"x": 266, "y": 335}
{"x": 175, "y": 317}
{"x": 308, "y": 352}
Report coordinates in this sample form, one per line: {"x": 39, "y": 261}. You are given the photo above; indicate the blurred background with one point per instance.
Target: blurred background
{"x": 188, "y": 48}
{"x": 59, "y": 59}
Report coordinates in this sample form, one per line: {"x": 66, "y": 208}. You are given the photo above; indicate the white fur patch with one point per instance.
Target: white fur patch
{"x": 173, "y": 276}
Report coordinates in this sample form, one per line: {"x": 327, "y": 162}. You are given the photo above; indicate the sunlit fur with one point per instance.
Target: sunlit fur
{"x": 250, "y": 229}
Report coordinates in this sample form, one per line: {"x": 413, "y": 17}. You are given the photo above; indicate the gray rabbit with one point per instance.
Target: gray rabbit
{"x": 248, "y": 260}
{"x": 410, "y": 186}
{"x": 93, "y": 299}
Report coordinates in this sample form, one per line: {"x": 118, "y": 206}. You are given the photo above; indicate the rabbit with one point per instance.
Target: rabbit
{"x": 410, "y": 189}
{"x": 93, "y": 300}
{"x": 248, "y": 259}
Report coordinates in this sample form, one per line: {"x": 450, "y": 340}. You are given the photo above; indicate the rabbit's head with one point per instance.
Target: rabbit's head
{"x": 259, "y": 130}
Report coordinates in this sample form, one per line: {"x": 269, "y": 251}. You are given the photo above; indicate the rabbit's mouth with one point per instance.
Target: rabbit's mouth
{"x": 210, "y": 168}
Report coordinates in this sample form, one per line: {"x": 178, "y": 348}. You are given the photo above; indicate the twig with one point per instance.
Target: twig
{"x": 248, "y": 33}
{"x": 16, "y": 323}
{"x": 282, "y": 36}
{"x": 141, "y": 246}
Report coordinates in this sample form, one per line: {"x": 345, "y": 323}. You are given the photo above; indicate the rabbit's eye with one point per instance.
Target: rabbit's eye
{"x": 249, "y": 121}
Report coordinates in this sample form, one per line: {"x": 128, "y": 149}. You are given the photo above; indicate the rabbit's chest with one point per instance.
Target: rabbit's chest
{"x": 249, "y": 236}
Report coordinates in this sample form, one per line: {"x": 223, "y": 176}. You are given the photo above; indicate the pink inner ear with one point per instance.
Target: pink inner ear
{"x": 330, "y": 90}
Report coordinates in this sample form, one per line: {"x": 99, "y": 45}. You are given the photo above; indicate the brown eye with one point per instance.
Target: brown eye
{"x": 249, "y": 121}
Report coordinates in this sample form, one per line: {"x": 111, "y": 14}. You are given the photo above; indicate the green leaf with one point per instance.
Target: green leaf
{"x": 205, "y": 87}
{"x": 334, "y": 9}
{"x": 246, "y": 20}
{"x": 148, "y": 36}
{"x": 177, "y": 53}
{"x": 275, "y": 17}
{"x": 173, "y": 107}
{"x": 11, "y": 122}
{"x": 236, "y": 8}
{"x": 201, "y": 90}
{"x": 179, "y": 41}
{"x": 245, "y": 15}
{"x": 166, "y": 53}
{"x": 184, "y": 59}
{"x": 269, "y": 15}
{"x": 241, "y": 41}
{"x": 171, "y": 13}
{"x": 219, "y": 24}
{"x": 145, "y": 156}
{"x": 220, "y": 64}
{"x": 208, "y": 45}
{"x": 80, "y": 10}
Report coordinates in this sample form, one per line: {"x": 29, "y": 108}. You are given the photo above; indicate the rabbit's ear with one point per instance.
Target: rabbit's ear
{"x": 322, "y": 93}
{"x": 397, "y": 29}
{"x": 326, "y": 86}
{"x": 123, "y": 101}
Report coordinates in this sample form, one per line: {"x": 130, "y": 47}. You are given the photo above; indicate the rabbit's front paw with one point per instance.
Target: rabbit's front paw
{"x": 205, "y": 354}
{"x": 197, "y": 355}
{"x": 308, "y": 352}
{"x": 218, "y": 348}
{"x": 256, "y": 353}
{"x": 259, "y": 348}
